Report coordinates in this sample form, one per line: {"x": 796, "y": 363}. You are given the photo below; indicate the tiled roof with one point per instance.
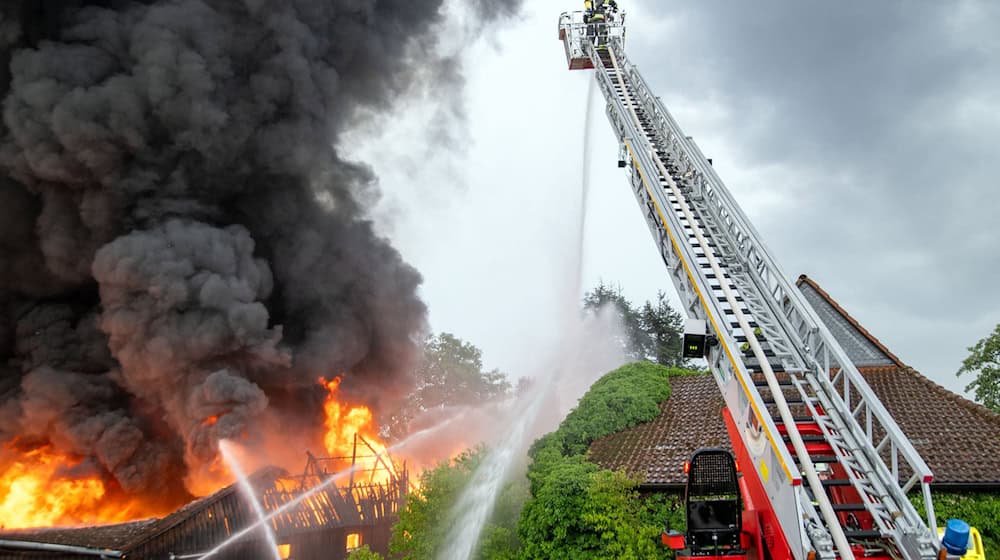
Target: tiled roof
{"x": 113, "y": 537}
{"x": 655, "y": 452}
{"x": 959, "y": 439}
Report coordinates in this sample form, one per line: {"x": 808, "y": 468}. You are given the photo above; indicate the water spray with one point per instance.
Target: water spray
{"x": 477, "y": 500}
{"x": 314, "y": 490}
{"x": 234, "y": 466}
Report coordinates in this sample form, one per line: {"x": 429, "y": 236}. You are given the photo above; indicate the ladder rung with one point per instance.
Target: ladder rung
{"x": 852, "y": 534}
{"x": 835, "y": 482}
{"x": 729, "y": 311}
{"x": 806, "y": 438}
{"x": 848, "y": 507}
{"x": 796, "y": 419}
{"x": 770, "y": 400}
{"x": 781, "y": 383}
{"x": 692, "y": 237}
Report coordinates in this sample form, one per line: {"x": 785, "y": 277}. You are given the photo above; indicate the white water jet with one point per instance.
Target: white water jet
{"x": 234, "y": 466}
{"x": 478, "y": 499}
{"x": 420, "y": 434}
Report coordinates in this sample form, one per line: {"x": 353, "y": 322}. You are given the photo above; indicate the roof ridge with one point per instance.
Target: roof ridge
{"x": 854, "y": 323}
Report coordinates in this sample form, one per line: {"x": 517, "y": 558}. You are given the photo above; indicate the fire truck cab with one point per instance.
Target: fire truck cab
{"x": 714, "y": 509}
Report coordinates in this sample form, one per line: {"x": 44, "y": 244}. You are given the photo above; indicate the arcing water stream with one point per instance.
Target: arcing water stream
{"x": 265, "y": 519}
{"x": 225, "y": 448}
{"x": 476, "y": 503}
{"x": 477, "y": 500}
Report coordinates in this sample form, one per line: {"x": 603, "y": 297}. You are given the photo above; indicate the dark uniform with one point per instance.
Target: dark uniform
{"x": 597, "y": 13}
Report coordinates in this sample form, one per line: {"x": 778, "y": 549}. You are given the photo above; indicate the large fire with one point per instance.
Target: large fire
{"x": 42, "y": 487}
{"x": 35, "y": 490}
{"x": 352, "y": 434}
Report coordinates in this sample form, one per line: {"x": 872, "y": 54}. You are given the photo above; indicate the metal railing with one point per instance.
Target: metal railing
{"x": 656, "y": 192}
{"x": 805, "y": 330}
{"x": 572, "y": 25}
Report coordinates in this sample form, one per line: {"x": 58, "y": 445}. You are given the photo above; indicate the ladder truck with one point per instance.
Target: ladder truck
{"x": 825, "y": 468}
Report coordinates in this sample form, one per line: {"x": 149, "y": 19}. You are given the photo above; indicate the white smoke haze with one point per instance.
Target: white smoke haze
{"x": 585, "y": 350}
{"x": 590, "y": 350}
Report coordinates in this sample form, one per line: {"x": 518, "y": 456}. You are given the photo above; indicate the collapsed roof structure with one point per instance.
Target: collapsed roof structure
{"x": 313, "y": 518}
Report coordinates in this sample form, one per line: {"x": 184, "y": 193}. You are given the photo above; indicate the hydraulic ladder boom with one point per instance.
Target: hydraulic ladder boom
{"x": 829, "y": 468}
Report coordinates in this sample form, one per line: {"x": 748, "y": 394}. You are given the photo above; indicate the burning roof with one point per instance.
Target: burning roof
{"x": 300, "y": 505}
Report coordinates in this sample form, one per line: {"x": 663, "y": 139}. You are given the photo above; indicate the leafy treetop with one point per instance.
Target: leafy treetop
{"x": 652, "y": 332}
{"x": 984, "y": 362}
{"x": 450, "y": 373}
{"x": 424, "y": 523}
{"x": 578, "y": 510}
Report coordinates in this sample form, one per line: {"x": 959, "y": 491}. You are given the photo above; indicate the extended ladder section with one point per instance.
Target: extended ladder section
{"x": 833, "y": 464}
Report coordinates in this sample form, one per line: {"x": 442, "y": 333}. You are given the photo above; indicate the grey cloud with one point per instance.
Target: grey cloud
{"x": 878, "y": 115}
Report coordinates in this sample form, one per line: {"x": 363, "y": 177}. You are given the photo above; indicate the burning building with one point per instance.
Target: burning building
{"x": 184, "y": 249}
{"x": 314, "y": 517}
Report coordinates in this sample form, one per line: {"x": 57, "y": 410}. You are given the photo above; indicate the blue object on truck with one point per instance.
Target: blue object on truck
{"x": 956, "y": 537}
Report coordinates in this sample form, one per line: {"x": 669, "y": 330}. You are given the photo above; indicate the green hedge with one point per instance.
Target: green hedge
{"x": 424, "y": 524}
{"x": 578, "y": 510}
{"x": 625, "y": 397}
{"x": 979, "y": 509}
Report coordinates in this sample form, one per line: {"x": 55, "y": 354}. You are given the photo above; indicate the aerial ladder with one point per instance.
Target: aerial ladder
{"x": 825, "y": 468}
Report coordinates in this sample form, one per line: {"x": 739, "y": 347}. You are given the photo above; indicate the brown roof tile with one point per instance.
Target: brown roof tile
{"x": 959, "y": 439}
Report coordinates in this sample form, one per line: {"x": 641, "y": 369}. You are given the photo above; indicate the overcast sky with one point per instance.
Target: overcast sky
{"x": 860, "y": 137}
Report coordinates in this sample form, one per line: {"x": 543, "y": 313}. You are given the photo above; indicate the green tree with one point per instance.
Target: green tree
{"x": 450, "y": 373}
{"x": 984, "y": 362}
{"x": 581, "y": 511}
{"x": 424, "y": 523}
{"x": 652, "y": 332}
{"x": 364, "y": 553}
{"x": 634, "y": 340}
{"x": 578, "y": 510}
{"x": 665, "y": 328}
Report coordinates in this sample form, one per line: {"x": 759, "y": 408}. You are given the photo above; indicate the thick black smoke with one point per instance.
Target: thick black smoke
{"x": 181, "y": 246}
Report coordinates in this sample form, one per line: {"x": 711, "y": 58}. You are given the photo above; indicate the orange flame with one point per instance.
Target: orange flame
{"x": 38, "y": 487}
{"x": 343, "y": 423}
{"x": 34, "y": 493}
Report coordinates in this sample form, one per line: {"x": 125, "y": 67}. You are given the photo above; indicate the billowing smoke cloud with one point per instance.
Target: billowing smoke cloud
{"x": 182, "y": 249}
